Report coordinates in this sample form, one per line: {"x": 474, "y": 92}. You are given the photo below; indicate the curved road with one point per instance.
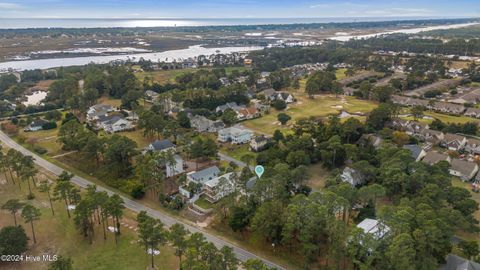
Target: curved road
{"x": 240, "y": 253}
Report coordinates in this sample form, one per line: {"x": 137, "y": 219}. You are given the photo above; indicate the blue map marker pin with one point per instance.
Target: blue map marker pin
{"x": 259, "y": 170}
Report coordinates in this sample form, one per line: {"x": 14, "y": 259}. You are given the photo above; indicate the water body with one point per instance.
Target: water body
{"x": 105, "y": 23}
{"x": 343, "y": 37}
{"x": 167, "y": 56}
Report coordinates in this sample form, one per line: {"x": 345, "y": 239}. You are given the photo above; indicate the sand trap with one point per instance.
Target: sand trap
{"x": 155, "y": 252}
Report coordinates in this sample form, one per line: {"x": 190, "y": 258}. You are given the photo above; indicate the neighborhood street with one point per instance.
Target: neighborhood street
{"x": 168, "y": 220}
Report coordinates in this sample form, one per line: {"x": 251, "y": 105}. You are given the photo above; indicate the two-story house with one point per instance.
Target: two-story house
{"x": 235, "y": 135}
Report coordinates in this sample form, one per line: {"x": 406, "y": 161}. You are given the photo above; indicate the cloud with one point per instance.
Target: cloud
{"x": 399, "y": 12}
{"x": 9, "y": 6}
{"x": 320, "y": 6}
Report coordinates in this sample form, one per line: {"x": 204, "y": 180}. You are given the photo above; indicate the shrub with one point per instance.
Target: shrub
{"x": 39, "y": 150}
{"x": 53, "y": 115}
{"x": 137, "y": 191}
{"x": 13, "y": 240}
{"x": 279, "y": 104}
{"x": 49, "y": 125}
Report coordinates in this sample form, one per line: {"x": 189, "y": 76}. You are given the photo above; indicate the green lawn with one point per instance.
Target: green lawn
{"x": 446, "y": 118}
{"x": 58, "y": 235}
{"x": 452, "y": 119}
{"x": 237, "y": 151}
{"x": 320, "y": 106}
{"x": 340, "y": 73}
{"x": 203, "y": 203}
{"x": 166, "y": 76}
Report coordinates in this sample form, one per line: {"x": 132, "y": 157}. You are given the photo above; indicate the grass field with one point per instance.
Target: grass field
{"x": 446, "y": 118}
{"x": 318, "y": 174}
{"x": 58, "y": 235}
{"x": 237, "y": 151}
{"x": 340, "y": 73}
{"x": 320, "y": 106}
{"x": 203, "y": 203}
{"x": 168, "y": 76}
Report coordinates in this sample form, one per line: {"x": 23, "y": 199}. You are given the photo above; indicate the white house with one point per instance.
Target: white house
{"x": 151, "y": 96}
{"x": 235, "y": 135}
{"x": 464, "y": 169}
{"x": 219, "y": 187}
{"x": 472, "y": 146}
{"x": 161, "y": 146}
{"x": 97, "y": 111}
{"x": 272, "y": 95}
{"x": 453, "y": 142}
{"x": 177, "y": 168}
{"x": 371, "y": 226}
{"x": 115, "y": 123}
{"x": 204, "y": 175}
{"x": 352, "y": 176}
{"x": 36, "y": 125}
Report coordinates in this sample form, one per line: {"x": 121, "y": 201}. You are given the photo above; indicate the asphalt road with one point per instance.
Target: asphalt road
{"x": 240, "y": 253}
{"x": 236, "y": 161}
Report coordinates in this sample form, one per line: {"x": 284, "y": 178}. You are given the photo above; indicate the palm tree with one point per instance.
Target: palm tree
{"x": 30, "y": 214}
{"x": 45, "y": 187}
{"x": 13, "y": 206}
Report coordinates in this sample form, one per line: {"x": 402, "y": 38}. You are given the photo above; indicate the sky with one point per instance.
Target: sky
{"x": 236, "y": 8}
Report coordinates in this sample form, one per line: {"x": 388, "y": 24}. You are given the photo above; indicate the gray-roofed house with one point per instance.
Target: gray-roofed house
{"x": 472, "y": 146}
{"x": 352, "y": 176}
{"x": 98, "y": 110}
{"x": 370, "y": 139}
{"x": 453, "y": 142}
{"x": 430, "y": 136}
{"x": 259, "y": 142}
{"x": 455, "y": 262}
{"x": 219, "y": 187}
{"x": 202, "y": 176}
{"x": 151, "y": 96}
{"x": 473, "y": 112}
{"x": 272, "y": 95}
{"x": 36, "y": 125}
{"x": 161, "y": 146}
{"x": 447, "y": 107}
{"x": 416, "y": 152}
{"x": 230, "y": 105}
{"x": 114, "y": 123}
{"x": 414, "y": 128}
{"x": 433, "y": 158}
{"x": 464, "y": 169}
{"x": 203, "y": 124}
